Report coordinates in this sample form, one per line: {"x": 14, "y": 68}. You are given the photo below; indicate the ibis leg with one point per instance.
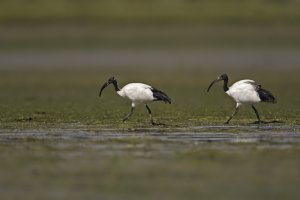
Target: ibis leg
{"x": 151, "y": 119}
{"x": 257, "y": 115}
{"x": 232, "y": 115}
{"x": 131, "y": 111}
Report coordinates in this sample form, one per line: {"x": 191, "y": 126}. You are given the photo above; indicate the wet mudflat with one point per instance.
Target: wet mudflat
{"x": 59, "y": 140}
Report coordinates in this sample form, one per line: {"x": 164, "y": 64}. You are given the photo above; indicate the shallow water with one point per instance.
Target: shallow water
{"x": 147, "y": 163}
{"x": 213, "y": 133}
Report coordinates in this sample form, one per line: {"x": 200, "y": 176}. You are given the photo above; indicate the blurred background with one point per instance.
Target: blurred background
{"x": 157, "y": 34}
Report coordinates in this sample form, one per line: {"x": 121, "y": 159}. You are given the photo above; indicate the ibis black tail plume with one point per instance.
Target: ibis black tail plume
{"x": 160, "y": 96}
{"x": 266, "y": 96}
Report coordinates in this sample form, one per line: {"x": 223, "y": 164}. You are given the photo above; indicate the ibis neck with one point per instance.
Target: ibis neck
{"x": 225, "y": 86}
{"x": 116, "y": 86}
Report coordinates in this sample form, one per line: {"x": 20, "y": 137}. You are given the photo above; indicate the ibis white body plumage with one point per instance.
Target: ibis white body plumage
{"x": 138, "y": 93}
{"x": 245, "y": 92}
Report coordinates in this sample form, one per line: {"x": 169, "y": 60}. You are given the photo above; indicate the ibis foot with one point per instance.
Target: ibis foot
{"x": 157, "y": 123}
{"x": 124, "y": 120}
{"x": 259, "y": 122}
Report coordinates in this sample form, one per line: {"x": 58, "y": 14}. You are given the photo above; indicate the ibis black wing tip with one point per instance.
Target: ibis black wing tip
{"x": 266, "y": 96}
{"x": 160, "y": 96}
{"x": 166, "y": 100}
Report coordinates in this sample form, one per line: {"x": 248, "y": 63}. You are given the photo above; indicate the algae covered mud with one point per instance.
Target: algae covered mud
{"x": 56, "y": 99}
{"x": 59, "y": 140}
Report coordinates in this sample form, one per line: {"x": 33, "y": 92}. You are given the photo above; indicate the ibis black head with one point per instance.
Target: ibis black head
{"x": 223, "y": 77}
{"x": 109, "y": 81}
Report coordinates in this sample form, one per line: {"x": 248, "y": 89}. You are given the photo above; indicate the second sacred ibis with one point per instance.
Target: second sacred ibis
{"x": 245, "y": 92}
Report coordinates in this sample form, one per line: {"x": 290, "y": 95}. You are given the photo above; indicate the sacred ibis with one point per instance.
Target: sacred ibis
{"x": 138, "y": 93}
{"x": 245, "y": 92}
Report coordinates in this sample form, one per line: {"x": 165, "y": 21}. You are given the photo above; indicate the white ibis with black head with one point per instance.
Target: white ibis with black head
{"x": 245, "y": 92}
{"x": 138, "y": 93}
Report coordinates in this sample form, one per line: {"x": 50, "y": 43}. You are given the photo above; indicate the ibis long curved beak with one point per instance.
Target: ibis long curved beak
{"x": 102, "y": 88}
{"x": 212, "y": 83}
